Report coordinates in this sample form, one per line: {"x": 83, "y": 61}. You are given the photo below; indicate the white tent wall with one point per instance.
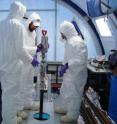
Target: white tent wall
{"x": 31, "y": 4}
{"x": 82, "y": 4}
{"x": 89, "y": 37}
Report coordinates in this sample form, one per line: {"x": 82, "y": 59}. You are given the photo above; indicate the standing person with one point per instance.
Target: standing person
{"x": 74, "y": 72}
{"x": 12, "y": 54}
{"x": 31, "y": 25}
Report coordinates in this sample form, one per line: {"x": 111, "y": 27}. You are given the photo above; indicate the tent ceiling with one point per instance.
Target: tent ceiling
{"x": 83, "y": 4}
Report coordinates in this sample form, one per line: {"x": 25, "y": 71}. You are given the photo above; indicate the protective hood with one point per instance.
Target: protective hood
{"x": 17, "y": 10}
{"x": 33, "y": 18}
{"x": 68, "y": 30}
{"x": 34, "y": 34}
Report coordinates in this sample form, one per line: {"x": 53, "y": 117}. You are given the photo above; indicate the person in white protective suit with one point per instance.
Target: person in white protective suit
{"x": 74, "y": 72}
{"x": 31, "y": 24}
{"x": 12, "y": 55}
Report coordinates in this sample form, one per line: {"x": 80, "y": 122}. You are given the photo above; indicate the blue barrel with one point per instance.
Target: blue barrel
{"x": 112, "y": 109}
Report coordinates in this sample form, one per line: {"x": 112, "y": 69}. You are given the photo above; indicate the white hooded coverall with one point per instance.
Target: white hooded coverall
{"x": 12, "y": 54}
{"x": 30, "y": 43}
{"x": 28, "y": 70}
{"x": 76, "y": 75}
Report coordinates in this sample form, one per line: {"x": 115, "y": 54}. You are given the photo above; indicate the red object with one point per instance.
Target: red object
{"x": 44, "y": 32}
{"x": 56, "y": 85}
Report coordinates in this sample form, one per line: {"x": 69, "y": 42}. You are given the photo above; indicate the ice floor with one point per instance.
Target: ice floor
{"x": 48, "y": 108}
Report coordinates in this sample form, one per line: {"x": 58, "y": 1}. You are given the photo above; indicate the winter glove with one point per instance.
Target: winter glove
{"x": 39, "y": 48}
{"x": 63, "y": 70}
{"x": 35, "y": 61}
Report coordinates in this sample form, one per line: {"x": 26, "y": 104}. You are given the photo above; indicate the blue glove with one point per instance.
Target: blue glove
{"x": 61, "y": 73}
{"x": 35, "y": 61}
{"x": 63, "y": 70}
{"x": 39, "y": 48}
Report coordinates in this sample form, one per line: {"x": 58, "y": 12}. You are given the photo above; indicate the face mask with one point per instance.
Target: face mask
{"x": 62, "y": 40}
